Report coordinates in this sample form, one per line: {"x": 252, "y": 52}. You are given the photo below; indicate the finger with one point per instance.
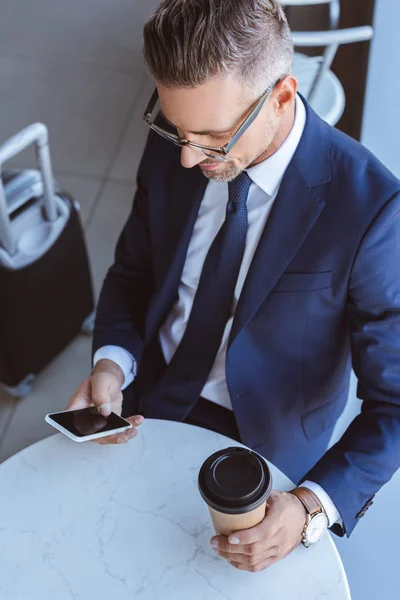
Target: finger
{"x": 263, "y": 531}
{"x": 221, "y": 544}
{"x": 250, "y": 552}
{"x": 255, "y": 568}
{"x": 136, "y": 420}
{"x": 251, "y": 549}
{"x": 81, "y": 398}
{"x": 125, "y": 436}
{"x": 117, "y": 438}
{"x": 251, "y": 560}
{"x": 243, "y": 541}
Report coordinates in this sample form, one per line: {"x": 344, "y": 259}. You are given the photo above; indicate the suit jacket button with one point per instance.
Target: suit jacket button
{"x": 365, "y": 507}
{"x": 369, "y": 503}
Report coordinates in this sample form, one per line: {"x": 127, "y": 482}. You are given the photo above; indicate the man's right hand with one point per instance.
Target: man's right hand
{"x": 103, "y": 389}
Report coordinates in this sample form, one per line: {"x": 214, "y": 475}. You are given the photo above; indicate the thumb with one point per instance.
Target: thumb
{"x": 104, "y": 391}
{"x": 262, "y": 531}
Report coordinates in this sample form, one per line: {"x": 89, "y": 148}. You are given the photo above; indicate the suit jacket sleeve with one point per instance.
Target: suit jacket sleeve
{"x": 368, "y": 454}
{"x": 128, "y": 285}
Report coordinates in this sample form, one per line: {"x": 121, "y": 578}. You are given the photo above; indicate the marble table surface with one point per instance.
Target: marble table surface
{"x": 82, "y": 521}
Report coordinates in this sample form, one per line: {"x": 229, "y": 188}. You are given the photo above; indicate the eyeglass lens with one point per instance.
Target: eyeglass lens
{"x": 168, "y": 136}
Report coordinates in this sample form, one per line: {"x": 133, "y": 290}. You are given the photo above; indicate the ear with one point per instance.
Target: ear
{"x": 284, "y": 95}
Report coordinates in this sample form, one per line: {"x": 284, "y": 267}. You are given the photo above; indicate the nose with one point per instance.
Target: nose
{"x": 190, "y": 158}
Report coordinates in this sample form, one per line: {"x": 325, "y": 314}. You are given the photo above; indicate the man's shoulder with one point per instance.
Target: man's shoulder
{"x": 351, "y": 160}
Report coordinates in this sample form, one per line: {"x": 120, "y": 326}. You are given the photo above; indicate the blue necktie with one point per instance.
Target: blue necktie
{"x": 180, "y": 386}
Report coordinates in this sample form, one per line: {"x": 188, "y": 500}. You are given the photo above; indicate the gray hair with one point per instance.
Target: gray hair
{"x": 187, "y": 42}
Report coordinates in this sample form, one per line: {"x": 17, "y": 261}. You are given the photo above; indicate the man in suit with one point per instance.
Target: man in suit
{"x": 258, "y": 264}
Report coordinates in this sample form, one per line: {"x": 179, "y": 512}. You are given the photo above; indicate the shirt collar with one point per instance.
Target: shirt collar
{"x": 269, "y": 173}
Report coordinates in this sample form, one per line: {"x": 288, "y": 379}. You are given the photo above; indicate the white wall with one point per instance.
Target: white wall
{"x": 381, "y": 123}
{"x": 370, "y": 556}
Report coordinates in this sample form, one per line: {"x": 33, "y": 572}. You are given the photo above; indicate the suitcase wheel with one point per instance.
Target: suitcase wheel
{"x": 22, "y": 389}
{"x": 87, "y": 326}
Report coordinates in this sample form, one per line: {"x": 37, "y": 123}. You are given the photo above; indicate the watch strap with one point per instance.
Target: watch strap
{"x": 309, "y": 500}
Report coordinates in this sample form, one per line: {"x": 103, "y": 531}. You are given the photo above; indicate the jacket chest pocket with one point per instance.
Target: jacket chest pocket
{"x": 303, "y": 282}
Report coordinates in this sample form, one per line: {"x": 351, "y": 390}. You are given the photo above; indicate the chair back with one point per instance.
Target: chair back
{"x": 330, "y": 41}
{"x": 334, "y": 8}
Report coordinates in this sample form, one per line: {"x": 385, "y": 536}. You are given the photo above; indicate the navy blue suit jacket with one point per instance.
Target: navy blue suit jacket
{"x": 322, "y": 293}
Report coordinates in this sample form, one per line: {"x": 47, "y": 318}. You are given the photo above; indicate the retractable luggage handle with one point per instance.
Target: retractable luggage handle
{"x": 37, "y": 134}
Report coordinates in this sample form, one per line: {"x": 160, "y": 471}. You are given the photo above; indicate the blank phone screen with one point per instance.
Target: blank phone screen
{"x": 87, "y": 421}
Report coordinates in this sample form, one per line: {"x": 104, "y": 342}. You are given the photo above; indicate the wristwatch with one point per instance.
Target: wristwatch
{"x": 317, "y": 520}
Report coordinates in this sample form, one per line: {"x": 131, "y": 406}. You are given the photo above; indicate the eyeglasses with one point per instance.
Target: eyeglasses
{"x": 218, "y": 154}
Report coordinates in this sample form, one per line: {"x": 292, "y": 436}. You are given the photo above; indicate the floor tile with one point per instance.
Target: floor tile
{"x": 7, "y": 403}
{"x": 84, "y": 109}
{"x": 127, "y": 160}
{"x": 7, "y": 17}
{"x": 95, "y": 32}
{"x": 51, "y": 392}
{"x": 105, "y": 227}
{"x": 371, "y": 554}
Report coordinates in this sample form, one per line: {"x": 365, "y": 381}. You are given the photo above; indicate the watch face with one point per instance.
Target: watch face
{"x": 316, "y": 528}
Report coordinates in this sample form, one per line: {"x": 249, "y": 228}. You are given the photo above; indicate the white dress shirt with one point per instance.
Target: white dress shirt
{"x": 266, "y": 179}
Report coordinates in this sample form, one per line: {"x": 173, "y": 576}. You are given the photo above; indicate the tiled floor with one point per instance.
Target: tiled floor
{"x": 77, "y": 66}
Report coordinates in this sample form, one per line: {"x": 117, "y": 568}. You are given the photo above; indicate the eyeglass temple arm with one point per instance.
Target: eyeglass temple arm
{"x": 246, "y": 124}
{"x": 151, "y": 104}
{"x": 249, "y": 120}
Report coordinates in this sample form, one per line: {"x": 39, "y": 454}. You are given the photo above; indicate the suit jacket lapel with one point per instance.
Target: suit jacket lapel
{"x": 295, "y": 210}
{"x": 183, "y": 199}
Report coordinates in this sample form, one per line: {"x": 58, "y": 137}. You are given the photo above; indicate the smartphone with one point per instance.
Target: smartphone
{"x": 85, "y": 424}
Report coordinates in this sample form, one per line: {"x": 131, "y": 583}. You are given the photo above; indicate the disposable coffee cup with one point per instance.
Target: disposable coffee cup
{"x": 235, "y": 483}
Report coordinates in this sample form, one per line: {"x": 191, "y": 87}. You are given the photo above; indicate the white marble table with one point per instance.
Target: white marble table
{"x": 85, "y": 521}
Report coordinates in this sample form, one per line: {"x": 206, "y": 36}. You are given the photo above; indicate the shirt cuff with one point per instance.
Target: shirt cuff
{"x": 329, "y": 507}
{"x": 122, "y": 358}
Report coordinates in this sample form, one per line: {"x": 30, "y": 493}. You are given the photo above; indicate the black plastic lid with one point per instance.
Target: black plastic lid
{"x": 235, "y": 480}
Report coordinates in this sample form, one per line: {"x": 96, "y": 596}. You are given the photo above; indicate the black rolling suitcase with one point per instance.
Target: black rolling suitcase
{"x": 46, "y": 295}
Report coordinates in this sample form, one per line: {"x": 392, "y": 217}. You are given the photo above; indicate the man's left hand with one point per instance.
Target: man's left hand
{"x": 276, "y": 536}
